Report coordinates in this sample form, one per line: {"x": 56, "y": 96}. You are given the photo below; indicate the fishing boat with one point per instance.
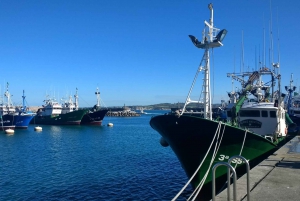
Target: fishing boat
{"x": 24, "y": 116}
{"x": 14, "y": 117}
{"x": 293, "y": 102}
{"x": 6, "y": 121}
{"x": 254, "y": 128}
{"x": 95, "y": 115}
{"x": 52, "y": 113}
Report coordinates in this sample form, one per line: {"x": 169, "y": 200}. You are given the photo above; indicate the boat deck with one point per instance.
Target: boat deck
{"x": 275, "y": 178}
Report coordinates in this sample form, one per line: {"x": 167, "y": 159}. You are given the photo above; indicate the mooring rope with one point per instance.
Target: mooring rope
{"x": 246, "y": 131}
{"x": 184, "y": 187}
{"x": 199, "y": 187}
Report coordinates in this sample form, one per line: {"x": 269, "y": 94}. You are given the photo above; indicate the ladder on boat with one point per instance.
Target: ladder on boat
{"x": 230, "y": 169}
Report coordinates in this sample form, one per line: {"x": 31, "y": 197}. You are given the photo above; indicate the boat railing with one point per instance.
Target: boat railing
{"x": 230, "y": 169}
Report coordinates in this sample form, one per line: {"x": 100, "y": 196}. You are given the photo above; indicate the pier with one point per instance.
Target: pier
{"x": 275, "y": 178}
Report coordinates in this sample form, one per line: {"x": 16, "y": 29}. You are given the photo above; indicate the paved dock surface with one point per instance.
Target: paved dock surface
{"x": 277, "y": 178}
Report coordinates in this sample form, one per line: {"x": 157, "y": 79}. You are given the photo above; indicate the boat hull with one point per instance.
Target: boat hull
{"x": 94, "y": 118}
{"x": 295, "y": 119}
{"x": 6, "y": 122}
{"x": 71, "y": 118}
{"x": 190, "y": 138}
{"x": 22, "y": 121}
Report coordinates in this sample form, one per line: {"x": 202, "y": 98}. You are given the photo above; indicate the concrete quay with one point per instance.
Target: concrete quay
{"x": 277, "y": 178}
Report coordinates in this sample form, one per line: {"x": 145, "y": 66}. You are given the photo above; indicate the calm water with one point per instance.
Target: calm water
{"x": 124, "y": 162}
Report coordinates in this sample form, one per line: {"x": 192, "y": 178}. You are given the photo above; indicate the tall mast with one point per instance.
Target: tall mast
{"x": 7, "y": 94}
{"x": 290, "y": 89}
{"x": 98, "y": 97}
{"x": 23, "y": 97}
{"x": 76, "y": 100}
{"x": 211, "y": 38}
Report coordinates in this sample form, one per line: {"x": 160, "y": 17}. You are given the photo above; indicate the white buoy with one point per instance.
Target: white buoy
{"x": 110, "y": 124}
{"x": 38, "y": 128}
{"x": 9, "y": 131}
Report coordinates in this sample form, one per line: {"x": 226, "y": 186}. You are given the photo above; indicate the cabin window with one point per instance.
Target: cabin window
{"x": 273, "y": 114}
{"x": 296, "y": 112}
{"x": 264, "y": 113}
{"x": 250, "y": 113}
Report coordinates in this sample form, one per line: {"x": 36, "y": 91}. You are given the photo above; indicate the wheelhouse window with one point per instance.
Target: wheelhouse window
{"x": 273, "y": 114}
{"x": 250, "y": 113}
{"x": 264, "y": 113}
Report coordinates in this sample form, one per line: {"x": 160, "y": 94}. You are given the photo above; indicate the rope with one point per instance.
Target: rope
{"x": 246, "y": 131}
{"x": 243, "y": 141}
{"x": 199, "y": 187}
{"x": 184, "y": 187}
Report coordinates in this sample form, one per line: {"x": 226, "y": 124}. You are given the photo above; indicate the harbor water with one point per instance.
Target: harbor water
{"x": 123, "y": 162}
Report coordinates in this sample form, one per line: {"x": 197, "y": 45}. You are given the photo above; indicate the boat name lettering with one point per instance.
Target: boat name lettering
{"x": 250, "y": 123}
{"x": 6, "y": 121}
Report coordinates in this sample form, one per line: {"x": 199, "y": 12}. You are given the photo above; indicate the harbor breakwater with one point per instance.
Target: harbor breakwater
{"x": 122, "y": 114}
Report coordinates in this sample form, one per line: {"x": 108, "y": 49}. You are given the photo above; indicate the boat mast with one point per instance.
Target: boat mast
{"x": 23, "y": 97}
{"x": 98, "y": 97}
{"x": 207, "y": 94}
{"x": 290, "y": 89}
{"x": 211, "y": 38}
{"x": 76, "y": 100}
{"x": 7, "y": 94}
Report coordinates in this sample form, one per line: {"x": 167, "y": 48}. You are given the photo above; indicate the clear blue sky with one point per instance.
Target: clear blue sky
{"x": 136, "y": 52}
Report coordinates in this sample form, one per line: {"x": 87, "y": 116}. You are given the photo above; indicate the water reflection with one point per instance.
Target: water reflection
{"x": 56, "y": 129}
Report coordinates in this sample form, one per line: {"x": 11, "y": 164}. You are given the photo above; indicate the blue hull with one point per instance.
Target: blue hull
{"x": 22, "y": 121}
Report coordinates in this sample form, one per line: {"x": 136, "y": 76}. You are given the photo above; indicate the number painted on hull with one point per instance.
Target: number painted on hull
{"x": 235, "y": 160}
{"x": 222, "y": 157}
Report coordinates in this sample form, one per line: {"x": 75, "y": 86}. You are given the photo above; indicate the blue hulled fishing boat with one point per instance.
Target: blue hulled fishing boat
{"x": 23, "y": 117}
{"x": 13, "y": 117}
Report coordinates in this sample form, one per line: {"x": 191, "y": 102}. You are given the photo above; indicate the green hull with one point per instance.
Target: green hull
{"x": 190, "y": 138}
{"x": 71, "y": 118}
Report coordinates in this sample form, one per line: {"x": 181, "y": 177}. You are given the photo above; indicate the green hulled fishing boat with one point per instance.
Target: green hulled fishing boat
{"x": 255, "y": 127}
{"x": 51, "y": 114}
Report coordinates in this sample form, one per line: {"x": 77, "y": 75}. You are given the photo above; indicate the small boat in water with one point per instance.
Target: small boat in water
{"x": 254, "y": 129}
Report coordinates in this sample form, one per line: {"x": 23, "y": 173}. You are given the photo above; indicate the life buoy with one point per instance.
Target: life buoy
{"x": 285, "y": 130}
